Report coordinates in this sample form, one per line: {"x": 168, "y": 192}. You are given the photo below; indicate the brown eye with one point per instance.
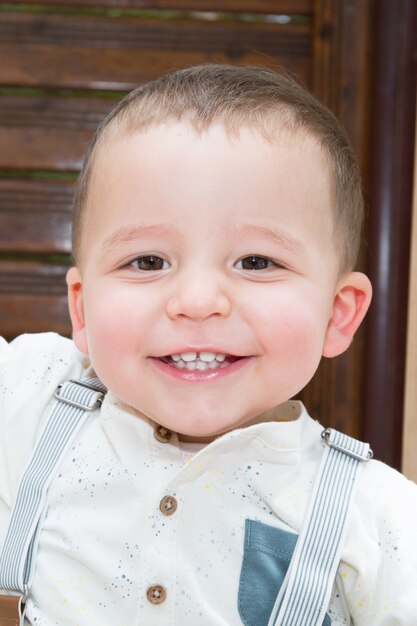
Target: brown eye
{"x": 150, "y": 263}
{"x": 255, "y": 262}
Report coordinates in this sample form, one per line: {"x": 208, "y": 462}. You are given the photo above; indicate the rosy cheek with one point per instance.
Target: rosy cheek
{"x": 292, "y": 328}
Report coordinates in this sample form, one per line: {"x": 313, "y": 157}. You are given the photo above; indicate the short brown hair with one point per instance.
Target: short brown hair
{"x": 236, "y": 97}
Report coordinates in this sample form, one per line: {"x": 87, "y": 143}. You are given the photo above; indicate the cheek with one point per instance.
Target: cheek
{"x": 292, "y": 323}
{"x": 299, "y": 342}
{"x": 293, "y": 346}
{"x": 117, "y": 319}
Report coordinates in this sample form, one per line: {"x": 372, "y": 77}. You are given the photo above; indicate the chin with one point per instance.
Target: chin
{"x": 201, "y": 433}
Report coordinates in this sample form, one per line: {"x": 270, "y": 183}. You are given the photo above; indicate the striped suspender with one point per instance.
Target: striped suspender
{"x": 76, "y": 401}
{"x": 305, "y": 594}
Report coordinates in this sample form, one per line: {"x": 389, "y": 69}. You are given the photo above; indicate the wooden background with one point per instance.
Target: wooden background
{"x": 63, "y": 66}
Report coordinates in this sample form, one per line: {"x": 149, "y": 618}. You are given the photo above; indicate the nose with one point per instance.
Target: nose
{"x": 198, "y": 297}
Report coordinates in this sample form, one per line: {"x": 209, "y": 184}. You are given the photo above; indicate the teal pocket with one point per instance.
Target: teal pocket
{"x": 267, "y": 555}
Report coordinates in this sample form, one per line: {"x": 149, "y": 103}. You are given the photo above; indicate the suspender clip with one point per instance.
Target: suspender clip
{"x": 12, "y": 607}
{"x": 363, "y": 455}
{"x": 89, "y": 402}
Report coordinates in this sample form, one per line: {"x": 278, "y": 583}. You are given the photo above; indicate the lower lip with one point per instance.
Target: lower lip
{"x": 198, "y": 376}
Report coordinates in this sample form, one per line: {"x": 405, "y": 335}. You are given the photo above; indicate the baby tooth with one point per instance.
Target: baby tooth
{"x": 180, "y": 364}
{"x": 201, "y": 365}
{"x": 175, "y": 357}
{"x": 190, "y": 365}
{"x": 208, "y": 357}
{"x": 189, "y": 356}
{"x": 220, "y": 357}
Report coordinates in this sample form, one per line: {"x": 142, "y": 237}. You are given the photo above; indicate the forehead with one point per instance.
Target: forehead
{"x": 154, "y": 146}
{"x": 170, "y": 169}
{"x": 272, "y": 130}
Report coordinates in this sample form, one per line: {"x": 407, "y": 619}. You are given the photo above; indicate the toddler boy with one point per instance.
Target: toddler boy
{"x": 216, "y": 226}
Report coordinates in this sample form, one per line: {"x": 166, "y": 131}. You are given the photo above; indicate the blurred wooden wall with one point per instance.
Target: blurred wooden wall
{"x": 63, "y": 66}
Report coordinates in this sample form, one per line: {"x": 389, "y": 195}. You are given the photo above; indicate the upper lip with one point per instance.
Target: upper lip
{"x": 212, "y": 349}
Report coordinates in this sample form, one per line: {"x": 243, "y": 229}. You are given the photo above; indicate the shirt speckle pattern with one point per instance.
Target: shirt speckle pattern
{"x": 105, "y": 543}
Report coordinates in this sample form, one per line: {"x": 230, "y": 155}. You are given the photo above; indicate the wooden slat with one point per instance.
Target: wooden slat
{"x": 41, "y": 149}
{"x": 41, "y": 133}
{"x": 133, "y": 33}
{"x": 43, "y": 111}
{"x": 32, "y": 298}
{"x": 104, "y": 53}
{"x": 277, "y": 7}
{"x": 35, "y": 216}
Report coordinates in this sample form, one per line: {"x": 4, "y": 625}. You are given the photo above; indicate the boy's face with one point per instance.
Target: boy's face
{"x": 207, "y": 244}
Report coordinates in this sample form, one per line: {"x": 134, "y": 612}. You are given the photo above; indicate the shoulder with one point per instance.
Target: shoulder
{"x": 37, "y": 361}
{"x": 381, "y": 548}
{"x": 40, "y": 347}
{"x": 385, "y": 506}
{"x": 386, "y": 491}
{"x": 31, "y": 368}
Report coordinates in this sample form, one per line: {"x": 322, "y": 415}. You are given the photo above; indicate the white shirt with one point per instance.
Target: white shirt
{"x": 105, "y": 541}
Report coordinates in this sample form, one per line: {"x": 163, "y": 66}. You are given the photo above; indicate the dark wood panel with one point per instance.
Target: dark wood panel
{"x": 342, "y": 70}
{"x": 45, "y": 111}
{"x": 42, "y": 150}
{"x": 134, "y": 33}
{"x": 394, "y": 101}
{"x": 99, "y": 52}
{"x": 41, "y": 133}
{"x": 32, "y": 278}
{"x": 35, "y": 216}
{"x": 32, "y": 298}
{"x": 115, "y": 69}
{"x": 277, "y": 7}
{"x": 33, "y": 314}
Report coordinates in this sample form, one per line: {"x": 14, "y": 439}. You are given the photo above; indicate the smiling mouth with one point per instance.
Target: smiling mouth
{"x": 199, "y": 361}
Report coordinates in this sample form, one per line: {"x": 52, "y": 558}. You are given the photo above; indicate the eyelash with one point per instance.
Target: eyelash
{"x": 253, "y": 259}
{"x": 156, "y": 263}
{"x": 152, "y": 260}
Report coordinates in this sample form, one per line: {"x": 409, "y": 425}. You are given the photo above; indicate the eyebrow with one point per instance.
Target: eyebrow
{"x": 134, "y": 232}
{"x": 280, "y": 237}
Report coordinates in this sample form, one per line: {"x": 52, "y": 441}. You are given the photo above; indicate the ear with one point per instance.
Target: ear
{"x": 350, "y": 304}
{"x": 76, "y": 309}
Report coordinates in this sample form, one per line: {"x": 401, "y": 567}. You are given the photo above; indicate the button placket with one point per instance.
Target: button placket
{"x": 159, "y": 556}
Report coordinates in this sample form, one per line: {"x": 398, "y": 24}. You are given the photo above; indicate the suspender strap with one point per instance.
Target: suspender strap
{"x": 305, "y": 594}
{"x": 76, "y": 401}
